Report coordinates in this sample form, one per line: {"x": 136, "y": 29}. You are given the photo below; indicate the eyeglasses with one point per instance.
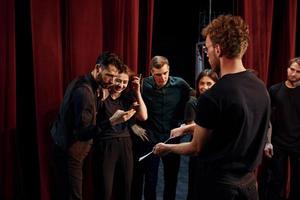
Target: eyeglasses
{"x": 204, "y": 49}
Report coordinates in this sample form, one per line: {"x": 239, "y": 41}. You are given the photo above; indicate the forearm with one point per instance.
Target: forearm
{"x": 189, "y": 128}
{"x": 141, "y": 113}
{"x": 186, "y": 148}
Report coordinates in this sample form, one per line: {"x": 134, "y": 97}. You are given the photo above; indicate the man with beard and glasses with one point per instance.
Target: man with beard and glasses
{"x": 75, "y": 127}
{"x": 232, "y": 117}
{"x": 285, "y": 140}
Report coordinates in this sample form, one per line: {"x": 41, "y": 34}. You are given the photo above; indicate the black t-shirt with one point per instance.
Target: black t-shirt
{"x": 108, "y": 108}
{"x": 285, "y": 118}
{"x": 237, "y": 109}
{"x": 190, "y": 110}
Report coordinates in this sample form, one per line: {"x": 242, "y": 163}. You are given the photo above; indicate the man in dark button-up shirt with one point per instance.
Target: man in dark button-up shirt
{"x": 165, "y": 97}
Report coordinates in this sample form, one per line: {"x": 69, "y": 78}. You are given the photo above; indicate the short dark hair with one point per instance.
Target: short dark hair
{"x": 158, "y": 62}
{"x": 108, "y": 58}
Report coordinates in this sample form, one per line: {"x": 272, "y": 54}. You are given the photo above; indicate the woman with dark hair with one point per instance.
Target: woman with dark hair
{"x": 205, "y": 80}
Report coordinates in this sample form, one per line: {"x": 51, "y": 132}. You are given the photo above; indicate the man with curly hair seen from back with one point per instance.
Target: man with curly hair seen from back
{"x": 229, "y": 132}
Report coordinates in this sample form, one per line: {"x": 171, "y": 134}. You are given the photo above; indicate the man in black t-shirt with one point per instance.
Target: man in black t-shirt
{"x": 285, "y": 140}
{"x": 230, "y": 128}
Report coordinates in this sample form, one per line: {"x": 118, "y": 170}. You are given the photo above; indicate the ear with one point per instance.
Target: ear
{"x": 151, "y": 71}
{"x": 218, "y": 50}
{"x": 98, "y": 68}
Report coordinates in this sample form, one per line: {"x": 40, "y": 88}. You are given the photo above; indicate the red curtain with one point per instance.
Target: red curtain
{"x": 273, "y": 37}
{"x": 68, "y": 35}
{"x": 7, "y": 99}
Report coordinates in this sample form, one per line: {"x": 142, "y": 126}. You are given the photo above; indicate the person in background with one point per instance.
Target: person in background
{"x": 230, "y": 128}
{"x": 165, "y": 97}
{"x": 284, "y": 144}
{"x": 113, "y": 148}
{"x": 205, "y": 80}
{"x": 75, "y": 125}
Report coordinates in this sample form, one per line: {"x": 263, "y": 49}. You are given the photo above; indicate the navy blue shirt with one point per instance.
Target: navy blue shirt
{"x": 165, "y": 106}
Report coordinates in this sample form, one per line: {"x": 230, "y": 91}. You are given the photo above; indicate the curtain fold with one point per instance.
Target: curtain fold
{"x": 46, "y": 28}
{"x": 283, "y": 39}
{"x": 259, "y": 16}
{"x": 67, "y": 36}
{"x": 7, "y": 100}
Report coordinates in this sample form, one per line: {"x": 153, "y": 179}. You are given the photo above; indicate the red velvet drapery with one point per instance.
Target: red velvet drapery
{"x": 67, "y": 36}
{"x": 273, "y": 37}
{"x": 7, "y": 99}
{"x": 67, "y": 39}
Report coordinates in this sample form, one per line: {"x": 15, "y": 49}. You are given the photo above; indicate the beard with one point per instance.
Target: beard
{"x": 216, "y": 66}
{"x": 217, "y": 69}
{"x": 294, "y": 81}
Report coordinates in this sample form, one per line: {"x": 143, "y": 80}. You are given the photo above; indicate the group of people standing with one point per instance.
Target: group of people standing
{"x": 228, "y": 116}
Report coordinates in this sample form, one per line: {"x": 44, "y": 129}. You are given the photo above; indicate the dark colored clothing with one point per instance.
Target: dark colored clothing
{"x": 196, "y": 166}
{"x": 285, "y": 121}
{"x": 114, "y": 168}
{"x": 285, "y": 118}
{"x": 165, "y": 106}
{"x": 77, "y": 112}
{"x": 190, "y": 110}
{"x": 77, "y": 115}
{"x": 146, "y": 175}
{"x": 73, "y": 131}
{"x": 113, "y": 152}
{"x": 272, "y": 183}
{"x": 108, "y": 108}
{"x": 237, "y": 110}
{"x": 165, "y": 111}
{"x": 244, "y": 188}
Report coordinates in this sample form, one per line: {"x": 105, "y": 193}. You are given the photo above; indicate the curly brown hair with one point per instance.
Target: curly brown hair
{"x": 230, "y": 32}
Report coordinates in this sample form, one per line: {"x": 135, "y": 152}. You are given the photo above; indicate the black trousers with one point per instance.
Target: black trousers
{"x": 68, "y": 170}
{"x": 146, "y": 174}
{"x": 273, "y": 178}
{"x": 113, "y": 164}
{"x": 243, "y": 188}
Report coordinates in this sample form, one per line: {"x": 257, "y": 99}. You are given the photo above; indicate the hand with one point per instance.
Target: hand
{"x": 135, "y": 83}
{"x": 177, "y": 132}
{"x": 268, "y": 150}
{"x": 140, "y": 132}
{"x": 160, "y": 149}
{"x": 121, "y": 116}
{"x": 104, "y": 93}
